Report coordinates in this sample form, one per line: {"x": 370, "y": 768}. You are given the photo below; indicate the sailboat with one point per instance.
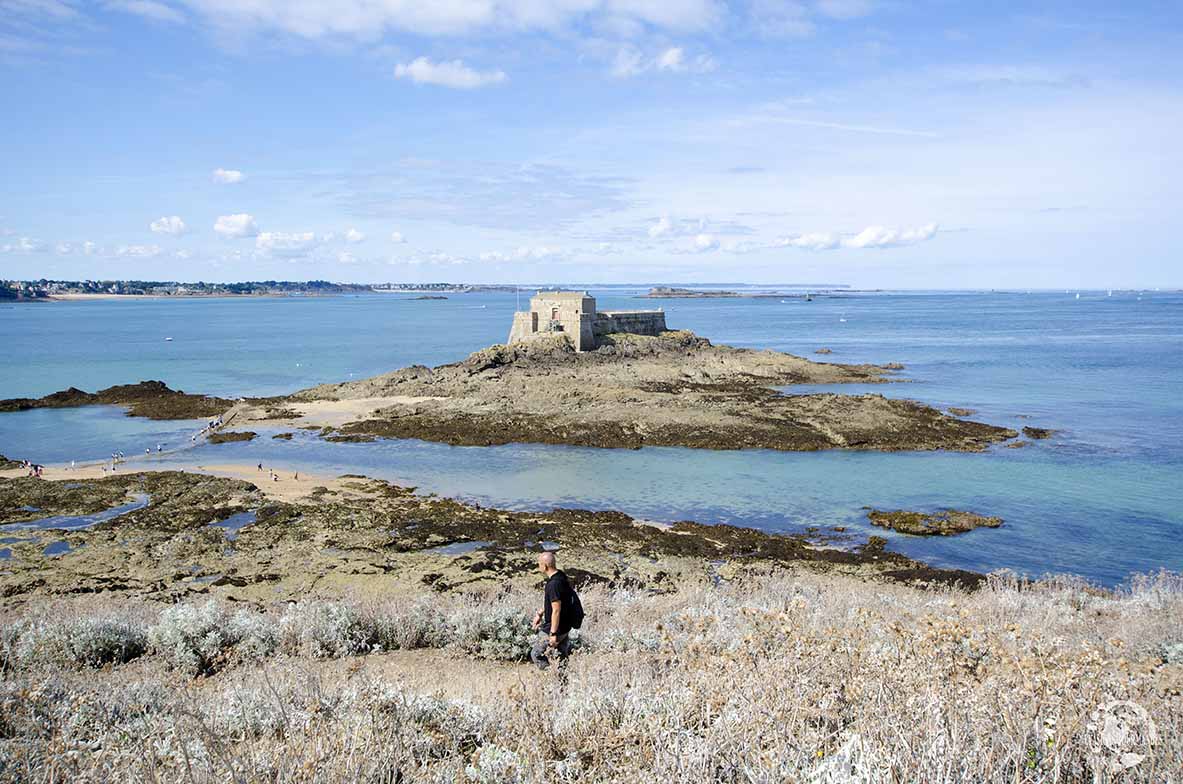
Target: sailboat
{"x": 1078, "y": 295}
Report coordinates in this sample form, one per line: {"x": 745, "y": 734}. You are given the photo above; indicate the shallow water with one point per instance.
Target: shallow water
{"x": 1102, "y": 498}
{"x": 233, "y": 524}
{"x": 79, "y": 522}
{"x": 57, "y": 548}
{"x": 456, "y": 548}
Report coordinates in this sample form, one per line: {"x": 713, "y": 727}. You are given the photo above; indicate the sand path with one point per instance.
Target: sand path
{"x": 287, "y": 486}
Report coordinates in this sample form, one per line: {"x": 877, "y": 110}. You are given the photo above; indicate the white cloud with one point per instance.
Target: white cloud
{"x": 870, "y": 237}
{"x": 235, "y": 226}
{"x": 169, "y": 224}
{"x": 275, "y": 243}
{"x": 431, "y": 257}
{"x": 371, "y": 19}
{"x": 664, "y": 227}
{"x": 526, "y": 253}
{"x": 89, "y": 248}
{"x": 812, "y": 241}
{"x": 705, "y": 242}
{"x": 228, "y": 176}
{"x": 781, "y": 19}
{"x": 354, "y": 236}
{"x": 345, "y": 257}
{"x": 630, "y": 61}
{"x": 183, "y": 254}
{"x": 884, "y": 237}
{"x": 453, "y": 73}
{"x": 25, "y": 245}
{"x": 63, "y": 248}
{"x": 397, "y": 237}
{"x": 139, "y": 251}
{"x": 149, "y": 9}
{"x": 604, "y": 249}
{"x": 672, "y": 59}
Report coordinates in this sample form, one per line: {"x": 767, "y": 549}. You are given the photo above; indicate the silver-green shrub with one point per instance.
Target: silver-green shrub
{"x": 498, "y": 632}
{"x": 86, "y": 642}
{"x": 324, "y": 630}
{"x": 193, "y": 638}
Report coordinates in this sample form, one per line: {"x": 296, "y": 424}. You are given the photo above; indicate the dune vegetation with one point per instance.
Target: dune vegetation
{"x": 768, "y": 677}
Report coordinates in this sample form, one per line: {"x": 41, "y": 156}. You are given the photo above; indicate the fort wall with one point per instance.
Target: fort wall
{"x": 635, "y": 322}
{"x": 574, "y": 314}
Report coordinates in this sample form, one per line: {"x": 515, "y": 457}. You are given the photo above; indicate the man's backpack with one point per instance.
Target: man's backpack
{"x": 576, "y": 611}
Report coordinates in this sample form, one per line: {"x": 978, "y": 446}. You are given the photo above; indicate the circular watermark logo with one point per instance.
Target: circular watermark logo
{"x": 1122, "y": 733}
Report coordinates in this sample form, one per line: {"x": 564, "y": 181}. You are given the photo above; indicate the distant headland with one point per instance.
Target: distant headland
{"x": 50, "y": 290}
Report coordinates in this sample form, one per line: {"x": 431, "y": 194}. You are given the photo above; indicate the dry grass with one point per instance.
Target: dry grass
{"x": 772, "y": 678}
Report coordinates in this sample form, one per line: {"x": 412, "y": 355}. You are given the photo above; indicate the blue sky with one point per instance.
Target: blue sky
{"x": 871, "y": 142}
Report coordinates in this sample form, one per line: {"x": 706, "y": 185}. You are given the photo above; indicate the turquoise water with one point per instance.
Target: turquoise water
{"x": 1102, "y": 499}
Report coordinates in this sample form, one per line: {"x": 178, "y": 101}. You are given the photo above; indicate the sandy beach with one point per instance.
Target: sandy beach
{"x": 285, "y": 487}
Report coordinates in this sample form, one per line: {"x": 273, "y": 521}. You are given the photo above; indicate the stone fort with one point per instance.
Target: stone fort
{"x": 574, "y": 314}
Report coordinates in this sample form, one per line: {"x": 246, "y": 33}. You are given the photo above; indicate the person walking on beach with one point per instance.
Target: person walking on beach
{"x": 561, "y": 612}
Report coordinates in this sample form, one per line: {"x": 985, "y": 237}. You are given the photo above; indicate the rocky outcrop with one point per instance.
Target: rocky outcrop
{"x": 230, "y": 436}
{"x": 946, "y": 522}
{"x": 1038, "y": 433}
{"x": 150, "y": 399}
{"x": 371, "y": 539}
{"x": 674, "y": 390}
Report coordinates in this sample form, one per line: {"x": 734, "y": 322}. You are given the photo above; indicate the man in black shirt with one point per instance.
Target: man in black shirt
{"x": 554, "y": 619}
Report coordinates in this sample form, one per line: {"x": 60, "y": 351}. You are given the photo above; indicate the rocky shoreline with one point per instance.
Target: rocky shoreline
{"x": 202, "y": 534}
{"x": 675, "y": 390}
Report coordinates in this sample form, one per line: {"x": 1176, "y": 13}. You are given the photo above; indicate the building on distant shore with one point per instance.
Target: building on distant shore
{"x": 574, "y": 314}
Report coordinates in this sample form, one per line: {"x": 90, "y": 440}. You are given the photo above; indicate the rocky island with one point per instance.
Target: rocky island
{"x": 673, "y": 292}
{"x": 573, "y": 375}
{"x": 675, "y": 389}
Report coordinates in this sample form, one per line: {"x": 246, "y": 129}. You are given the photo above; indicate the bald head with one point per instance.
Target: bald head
{"x": 546, "y": 561}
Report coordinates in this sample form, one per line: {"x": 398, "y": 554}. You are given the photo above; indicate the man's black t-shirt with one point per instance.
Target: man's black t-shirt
{"x": 558, "y": 589}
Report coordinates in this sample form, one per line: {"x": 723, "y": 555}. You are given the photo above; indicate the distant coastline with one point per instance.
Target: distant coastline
{"x": 74, "y": 290}
{"x": 671, "y": 292}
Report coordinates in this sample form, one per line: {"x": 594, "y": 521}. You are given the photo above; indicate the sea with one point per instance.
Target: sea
{"x": 1102, "y": 498}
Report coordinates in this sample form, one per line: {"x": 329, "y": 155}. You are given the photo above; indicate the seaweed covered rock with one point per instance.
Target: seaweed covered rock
{"x": 231, "y": 436}
{"x": 150, "y": 399}
{"x": 945, "y": 522}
